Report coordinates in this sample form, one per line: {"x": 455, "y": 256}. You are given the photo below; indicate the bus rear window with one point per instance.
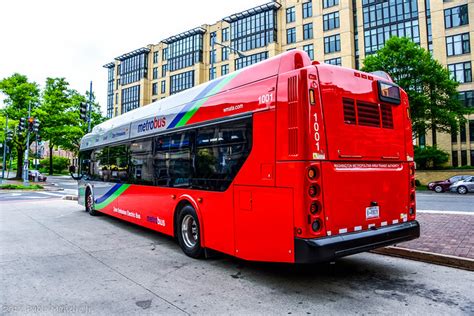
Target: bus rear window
{"x": 389, "y": 92}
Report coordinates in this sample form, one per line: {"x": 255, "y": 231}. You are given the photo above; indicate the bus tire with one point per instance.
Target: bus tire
{"x": 188, "y": 232}
{"x": 90, "y": 204}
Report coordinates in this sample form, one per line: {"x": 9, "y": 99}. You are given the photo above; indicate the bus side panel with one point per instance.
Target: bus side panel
{"x": 103, "y": 196}
{"x": 256, "y": 96}
{"x": 264, "y": 223}
{"x": 148, "y": 206}
{"x": 217, "y": 219}
{"x": 259, "y": 168}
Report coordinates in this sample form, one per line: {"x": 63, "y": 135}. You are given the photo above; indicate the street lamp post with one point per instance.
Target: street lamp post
{"x": 25, "y": 163}
{"x": 213, "y": 43}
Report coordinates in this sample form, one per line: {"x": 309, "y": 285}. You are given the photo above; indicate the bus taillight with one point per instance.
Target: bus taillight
{"x": 315, "y": 205}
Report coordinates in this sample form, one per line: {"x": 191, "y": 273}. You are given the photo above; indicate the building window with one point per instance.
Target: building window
{"x": 332, "y": 44}
{"x": 307, "y": 31}
{"x": 422, "y": 140}
{"x": 330, "y": 3}
{"x": 163, "y": 86}
{"x": 330, "y": 21}
{"x": 454, "y": 156}
{"x": 334, "y": 61}
{"x": 307, "y": 9}
{"x": 155, "y": 72}
{"x": 154, "y": 89}
{"x": 155, "y": 57}
{"x": 454, "y": 137}
{"x": 462, "y": 133}
{"x": 467, "y": 98}
{"x": 164, "y": 54}
{"x": 181, "y": 81}
{"x": 463, "y": 158}
{"x": 290, "y": 15}
{"x": 164, "y": 70}
{"x": 212, "y": 73}
{"x": 309, "y": 49}
{"x": 383, "y": 20}
{"x": 110, "y": 91}
{"x": 461, "y": 72}
{"x": 250, "y": 60}
{"x": 134, "y": 68}
{"x": 471, "y": 134}
{"x": 253, "y": 31}
{"x": 456, "y": 16}
{"x": 212, "y": 56}
{"x": 224, "y": 70}
{"x": 458, "y": 44}
{"x": 472, "y": 157}
{"x": 212, "y": 38}
{"x": 185, "y": 52}
{"x": 291, "y": 35}
{"x": 130, "y": 98}
{"x": 224, "y": 53}
{"x": 225, "y": 34}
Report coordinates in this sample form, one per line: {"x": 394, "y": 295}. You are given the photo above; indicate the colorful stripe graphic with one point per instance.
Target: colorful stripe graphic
{"x": 110, "y": 196}
{"x": 188, "y": 111}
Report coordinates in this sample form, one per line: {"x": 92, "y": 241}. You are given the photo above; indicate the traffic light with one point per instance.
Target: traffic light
{"x": 83, "y": 111}
{"x": 21, "y": 125}
{"x": 9, "y": 136}
{"x": 31, "y": 121}
{"x": 36, "y": 124}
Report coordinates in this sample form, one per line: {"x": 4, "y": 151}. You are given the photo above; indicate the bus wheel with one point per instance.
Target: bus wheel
{"x": 189, "y": 236}
{"x": 90, "y": 204}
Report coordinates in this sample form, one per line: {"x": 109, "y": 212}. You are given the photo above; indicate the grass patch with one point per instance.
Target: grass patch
{"x": 422, "y": 188}
{"x": 20, "y": 187}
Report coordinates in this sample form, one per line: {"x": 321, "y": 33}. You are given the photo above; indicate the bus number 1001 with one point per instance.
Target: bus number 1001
{"x": 265, "y": 98}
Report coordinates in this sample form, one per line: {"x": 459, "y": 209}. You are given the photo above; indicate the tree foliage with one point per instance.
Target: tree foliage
{"x": 57, "y": 108}
{"x": 434, "y": 103}
{"x": 20, "y": 95}
{"x": 430, "y": 157}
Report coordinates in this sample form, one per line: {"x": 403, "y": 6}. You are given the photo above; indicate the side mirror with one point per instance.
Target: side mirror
{"x": 72, "y": 169}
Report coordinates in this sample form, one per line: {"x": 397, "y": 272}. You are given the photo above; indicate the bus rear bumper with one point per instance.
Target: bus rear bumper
{"x": 330, "y": 248}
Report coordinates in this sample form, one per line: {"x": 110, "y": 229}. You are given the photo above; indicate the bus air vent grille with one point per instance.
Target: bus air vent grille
{"x": 368, "y": 114}
{"x": 387, "y": 117}
{"x": 292, "y": 116}
{"x": 349, "y": 111}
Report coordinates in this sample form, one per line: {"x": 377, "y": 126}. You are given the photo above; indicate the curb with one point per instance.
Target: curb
{"x": 70, "y": 197}
{"x": 429, "y": 257}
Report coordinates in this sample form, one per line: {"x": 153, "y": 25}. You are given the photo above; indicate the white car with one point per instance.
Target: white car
{"x": 463, "y": 186}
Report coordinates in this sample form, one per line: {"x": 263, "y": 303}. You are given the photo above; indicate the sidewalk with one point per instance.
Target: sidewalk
{"x": 446, "y": 239}
{"x": 447, "y": 234}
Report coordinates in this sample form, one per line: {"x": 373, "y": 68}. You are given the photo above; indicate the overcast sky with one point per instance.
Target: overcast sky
{"x": 73, "y": 39}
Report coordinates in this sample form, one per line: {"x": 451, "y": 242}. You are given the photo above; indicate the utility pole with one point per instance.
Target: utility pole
{"x": 90, "y": 110}
{"x": 5, "y": 149}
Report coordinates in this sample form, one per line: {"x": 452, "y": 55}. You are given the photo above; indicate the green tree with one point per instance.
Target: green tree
{"x": 20, "y": 95}
{"x": 430, "y": 157}
{"x": 433, "y": 97}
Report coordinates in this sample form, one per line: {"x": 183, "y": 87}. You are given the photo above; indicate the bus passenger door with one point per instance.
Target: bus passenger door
{"x": 263, "y": 223}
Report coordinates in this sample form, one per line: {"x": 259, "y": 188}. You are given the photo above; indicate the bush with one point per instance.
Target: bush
{"x": 20, "y": 187}
{"x": 430, "y": 157}
{"x": 60, "y": 164}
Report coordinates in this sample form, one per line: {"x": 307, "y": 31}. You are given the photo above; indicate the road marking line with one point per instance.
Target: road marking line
{"x": 446, "y": 212}
{"x": 52, "y": 194}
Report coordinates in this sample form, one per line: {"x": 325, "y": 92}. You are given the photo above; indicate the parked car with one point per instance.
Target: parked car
{"x": 443, "y": 185}
{"x": 463, "y": 186}
{"x": 35, "y": 173}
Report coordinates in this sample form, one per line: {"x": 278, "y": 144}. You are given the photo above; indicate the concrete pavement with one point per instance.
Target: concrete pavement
{"x": 54, "y": 257}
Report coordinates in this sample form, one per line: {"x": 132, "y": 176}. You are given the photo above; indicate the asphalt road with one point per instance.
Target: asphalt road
{"x": 55, "y": 258}
{"x": 445, "y": 202}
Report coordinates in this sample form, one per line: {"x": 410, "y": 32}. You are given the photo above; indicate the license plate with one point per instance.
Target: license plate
{"x": 372, "y": 212}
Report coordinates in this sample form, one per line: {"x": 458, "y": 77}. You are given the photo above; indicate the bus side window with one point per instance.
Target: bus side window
{"x": 117, "y": 169}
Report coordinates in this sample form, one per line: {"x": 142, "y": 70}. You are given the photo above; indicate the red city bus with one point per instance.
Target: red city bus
{"x": 284, "y": 161}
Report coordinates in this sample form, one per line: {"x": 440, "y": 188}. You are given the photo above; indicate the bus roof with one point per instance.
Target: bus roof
{"x": 174, "y": 111}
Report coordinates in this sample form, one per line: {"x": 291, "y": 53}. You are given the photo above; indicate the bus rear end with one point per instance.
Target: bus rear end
{"x": 359, "y": 187}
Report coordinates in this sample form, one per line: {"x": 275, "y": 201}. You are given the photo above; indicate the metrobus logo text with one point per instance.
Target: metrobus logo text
{"x": 149, "y": 125}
